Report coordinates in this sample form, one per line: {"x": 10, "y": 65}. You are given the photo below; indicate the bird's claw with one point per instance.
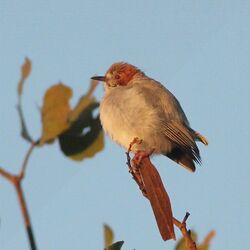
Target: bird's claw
{"x": 136, "y": 140}
{"x": 134, "y": 168}
{"x": 140, "y": 155}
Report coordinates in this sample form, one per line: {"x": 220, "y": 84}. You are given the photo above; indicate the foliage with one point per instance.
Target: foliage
{"x": 79, "y": 132}
{"x": 180, "y": 245}
{"x": 108, "y": 235}
{"x": 116, "y": 246}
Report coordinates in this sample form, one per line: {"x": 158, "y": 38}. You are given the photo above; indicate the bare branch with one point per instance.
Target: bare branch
{"x": 16, "y": 181}
{"x": 6, "y": 175}
{"x": 26, "y": 159}
{"x": 190, "y": 244}
{"x": 24, "y": 131}
{"x": 25, "y": 213}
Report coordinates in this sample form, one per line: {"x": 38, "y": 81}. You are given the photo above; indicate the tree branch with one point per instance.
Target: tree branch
{"x": 190, "y": 244}
{"x": 149, "y": 181}
{"x": 26, "y": 159}
{"x": 16, "y": 180}
{"x": 24, "y": 131}
{"x": 25, "y": 214}
{"x": 6, "y": 175}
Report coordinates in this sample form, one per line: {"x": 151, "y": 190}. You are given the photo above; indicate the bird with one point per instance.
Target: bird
{"x": 137, "y": 106}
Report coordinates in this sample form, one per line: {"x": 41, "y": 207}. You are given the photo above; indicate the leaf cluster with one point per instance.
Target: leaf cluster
{"x": 78, "y": 130}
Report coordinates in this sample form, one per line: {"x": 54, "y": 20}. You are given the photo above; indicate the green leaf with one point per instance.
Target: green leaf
{"x": 116, "y": 246}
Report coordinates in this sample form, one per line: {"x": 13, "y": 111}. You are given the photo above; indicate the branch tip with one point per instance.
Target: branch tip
{"x": 185, "y": 217}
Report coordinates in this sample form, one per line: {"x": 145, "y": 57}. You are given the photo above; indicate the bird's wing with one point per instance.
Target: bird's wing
{"x": 181, "y": 136}
{"x": 172, "y": 107}
{"x": 161, "y": 98}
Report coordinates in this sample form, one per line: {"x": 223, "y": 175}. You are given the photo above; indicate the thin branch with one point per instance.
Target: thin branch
{"x": 92, "y": 87}
{"x": 16, "y": 180}
{"x": 24, "y": 131}
{"x": 190, "y": 244}
{"x": 26, "y": 159}
{"x": 25, "y": 214}
{"x": 6, "y": 175}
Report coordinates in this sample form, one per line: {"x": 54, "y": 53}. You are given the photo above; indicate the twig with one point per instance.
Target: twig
{"x": 92, "y": 87}
{"x": 6, "y": 175}
{"x": 24, "y": 131}
{"x": 25, "y": 214}
{"x": 16, "y": 180}
{"x": 26, "y": 159}
{"x": 190, "y": 244}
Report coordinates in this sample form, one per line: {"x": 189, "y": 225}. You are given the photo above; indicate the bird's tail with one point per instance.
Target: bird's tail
{"x": 183, "y": 158}
{"x": 186, "y": 158}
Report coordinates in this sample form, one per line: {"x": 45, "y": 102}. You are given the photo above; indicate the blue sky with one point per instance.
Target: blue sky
{"x": 198, "y": 49}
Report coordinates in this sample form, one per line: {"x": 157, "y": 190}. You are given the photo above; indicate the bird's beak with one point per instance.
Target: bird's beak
{"x": 98, "y": 78}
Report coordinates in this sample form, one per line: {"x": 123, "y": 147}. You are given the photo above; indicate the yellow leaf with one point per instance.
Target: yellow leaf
{"x": 205, "y": 245}
{"x": 108, "y": 235}
{"x": 55, "y": 112}
{"x": 92, "y": 87}
{"x": 26, "y": 69}
{"x": 83, "y": 137}
{"x": 84, "y": 102}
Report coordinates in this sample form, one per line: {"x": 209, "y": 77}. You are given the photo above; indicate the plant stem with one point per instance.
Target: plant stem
{"x": 25, "y": 214}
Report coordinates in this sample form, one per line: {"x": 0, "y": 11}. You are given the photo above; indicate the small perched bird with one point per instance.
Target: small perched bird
{"x": 134, "y": 105}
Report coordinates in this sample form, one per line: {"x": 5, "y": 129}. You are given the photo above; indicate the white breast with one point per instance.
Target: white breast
{"x": 125, "y": 114}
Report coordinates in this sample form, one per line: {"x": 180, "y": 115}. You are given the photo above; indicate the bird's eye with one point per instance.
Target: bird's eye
{"x": 117, "y": 77}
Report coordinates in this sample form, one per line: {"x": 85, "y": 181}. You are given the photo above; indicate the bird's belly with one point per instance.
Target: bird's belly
{"x": 125, "y": 122}
{"x": 117, "y": 126}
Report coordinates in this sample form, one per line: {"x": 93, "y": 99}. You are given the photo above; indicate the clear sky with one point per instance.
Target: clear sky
{"x": 200, "y": 50}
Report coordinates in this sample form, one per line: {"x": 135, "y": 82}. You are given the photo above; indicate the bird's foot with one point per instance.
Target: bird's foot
{"x": 141, "y": 154}
{"x": 134, "y": 168}
{"x": 136, "y": 161}
{"x": 136, "y": 140}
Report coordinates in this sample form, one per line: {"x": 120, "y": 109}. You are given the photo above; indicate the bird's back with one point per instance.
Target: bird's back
{"x": 140, "y": 110}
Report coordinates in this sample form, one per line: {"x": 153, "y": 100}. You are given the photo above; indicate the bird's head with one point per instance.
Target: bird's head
{"x": 119, "y": 74}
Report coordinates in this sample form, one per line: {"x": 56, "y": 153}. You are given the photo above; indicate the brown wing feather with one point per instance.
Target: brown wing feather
{"x": 182, "y": 137}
